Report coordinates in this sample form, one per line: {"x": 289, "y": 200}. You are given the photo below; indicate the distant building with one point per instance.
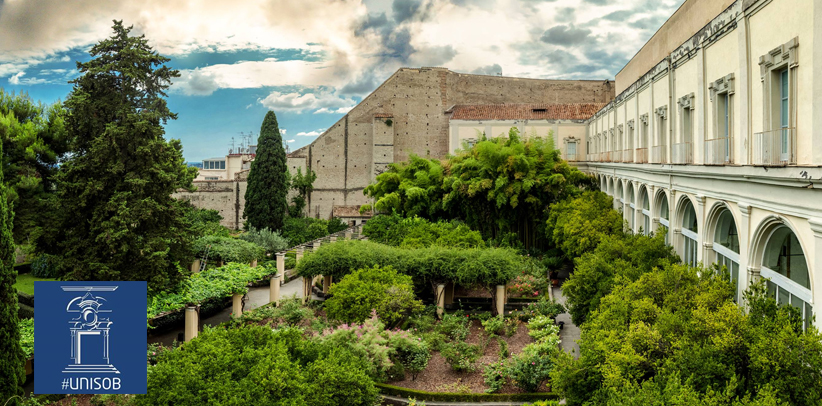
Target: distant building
{"x": 226, "y": 168}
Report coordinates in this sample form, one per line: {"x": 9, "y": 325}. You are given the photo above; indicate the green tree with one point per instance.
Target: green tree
{"x": 577, "y": 225}
{"x": 384, "y": 290}
{"x": 265, "y": 198}
{"x": 303, "y": 185}
{"x": 11, "y": 354}
{"x": 412, "y": 188}
{"x": 34, "y": 141}
{"x": 119, "y": 221}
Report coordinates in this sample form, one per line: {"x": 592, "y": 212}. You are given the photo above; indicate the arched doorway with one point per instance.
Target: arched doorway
{"x": 645, "y": 206}
{"x": 629, "y": 198}
{"x": 618, "y": 196}
{"x": 690, "y": 232}
{"x": 664, "y": 214}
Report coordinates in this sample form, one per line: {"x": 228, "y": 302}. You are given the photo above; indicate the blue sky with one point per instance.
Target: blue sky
{"x": 310, "y": 61}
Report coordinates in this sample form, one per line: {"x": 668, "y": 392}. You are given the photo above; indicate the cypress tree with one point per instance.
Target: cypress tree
{"x": 265, "y": 197}
{"x": 120, "y": 221}
{"x": 12, "y": 374}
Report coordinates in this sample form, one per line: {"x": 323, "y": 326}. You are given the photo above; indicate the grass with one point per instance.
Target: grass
{"x": 25, "y": 283}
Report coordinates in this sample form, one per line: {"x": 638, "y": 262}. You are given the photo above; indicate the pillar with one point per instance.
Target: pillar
{"x": 317, "y": 244}
{"x": 700, "y": 214}
{"x": 195, "y": 266}
{"x": 254, "y": 263}
{"x": 326, "y": 283}
{"x": 744, "y": 230}
{"x": 237, "y": 304}
{"x": 499, "y": 299}
{"x": 440, "y": 300}
{"x": 815, "y": 264}
{"x": 281, "y": 263}
{"x": 192, "y": 323}
{"x": 274, "y": 292}
{"x": 299, "y": 255}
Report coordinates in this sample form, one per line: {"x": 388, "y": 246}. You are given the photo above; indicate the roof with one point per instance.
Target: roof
{"x": 348, "y": 211}
{"x": 572, "y": 111}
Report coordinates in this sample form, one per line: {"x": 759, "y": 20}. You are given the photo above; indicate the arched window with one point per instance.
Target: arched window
{"x": 631, "y": 207}
{"x": 726, "y": 247}
{"x": 618, "y": 195}
{"x": 784, "y": 264}
{"x": 689, "y": 232}
{"x": 664, "y": 215}
{"x": 645, "y": 204}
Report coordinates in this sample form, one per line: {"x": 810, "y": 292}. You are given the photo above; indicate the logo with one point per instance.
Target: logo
{"x": 90, "y": 337}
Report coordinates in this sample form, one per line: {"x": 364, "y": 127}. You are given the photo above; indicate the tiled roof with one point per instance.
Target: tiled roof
{"x": 574, "y": 111}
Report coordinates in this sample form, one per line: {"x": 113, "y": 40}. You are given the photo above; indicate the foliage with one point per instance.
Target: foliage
{"x": 467, "y": 267}
{"x": 495, "y": 375}
{"x": 302, "y": 230}
{"x": 254, "y": 364}
{"x": 616, "y": 258}
{"x": 365, "y": 340}
{"x": 211, "y": 283}
{"x": 27, "y": 336}
{"x": 303, "y": 185}
{"x": 543, "y": 307}
{"x": 290, "y": 311}
{"x": 453, "y": 326}
{"x": 530, "y": 368}
{"x": 527, "y": 286}
{"x": 409, "y": 351}
{"x": 543, "y": 403}
{"x": 384, "y": 290}
{"x": 46, "y": 266}
{"x": 11, "y": 354}
{"x": 271, "y": 241}
{"x": 495, "y": 325}
{"x": 265, "y": 196}
{"x": 34, "y": 141}
{"x": 461, "y": 356}
{"x": 499, "y": 186}
{"x": 205, "y": 222}
{"x": 577, "y": 225}
{"x": 117, "y": 218}
{"x": 416, "y": 232}
{"x": 675, "y": 334}
{"x": 503, "y": 348}
{"x": 228, "y": 249}
{"x": 541, "y": 327}
{"x": 454, "y": 387}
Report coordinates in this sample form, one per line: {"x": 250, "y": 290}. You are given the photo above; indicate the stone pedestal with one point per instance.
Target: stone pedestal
{"x": 195, "y": 266}
{"x": 237, "y": 304}
{"x": 281, "y": 263}
{"x": 499, "y": 299}
{"x": 440, "y": 300}
{"x": 348, "y": 235}
{"x": 326, "y": 283}
{"x": 192, "y": 323}
{"x": 254, "y": 263}
{"x": 274, "y": 292}
{"x": 299, "y": 255}
{"x": 333, "y": 238}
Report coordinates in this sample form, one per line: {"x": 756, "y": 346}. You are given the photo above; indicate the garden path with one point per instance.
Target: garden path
{"x": 570, "y": 333}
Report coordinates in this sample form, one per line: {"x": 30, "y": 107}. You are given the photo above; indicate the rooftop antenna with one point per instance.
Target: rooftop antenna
{"x": 231, "y": 151}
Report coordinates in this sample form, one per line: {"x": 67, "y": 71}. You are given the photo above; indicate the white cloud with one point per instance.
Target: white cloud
{"x": 311, "y": 133}
{"x": 18, "y": 79}
{"x": 305, "y": 101}
{"x": 290, "y": 141}
{"x": 282, "y": 131}
{"x": 341, "y": 110}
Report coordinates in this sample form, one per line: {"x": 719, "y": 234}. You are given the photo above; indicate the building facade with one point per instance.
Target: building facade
{"x": 720, "y": 141}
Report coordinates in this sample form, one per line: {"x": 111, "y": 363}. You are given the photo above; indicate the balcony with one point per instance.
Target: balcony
{"x": 570, "y": 156}
{"x": 605, "y": 156}
{"x": 682, "y": 153}
{"x": 718, "y": 151}
{"x": 658, "y": 155}
{"x": 627, "y": 155}
{"x": 641, "y": 156}
{"x": 775, "y": 148}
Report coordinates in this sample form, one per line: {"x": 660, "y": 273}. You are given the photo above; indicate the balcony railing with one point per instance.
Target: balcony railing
{"x": 641, "y": 156}
{"x": 682, "y": 153}
{"x": 606, "y": 156}
{"x": 627, "y": 155}
{"x": 718, "y": 151}
{"x": 570, "y": 156}
{"x": 775, "y": 148}
{"x": 658, "y": 155}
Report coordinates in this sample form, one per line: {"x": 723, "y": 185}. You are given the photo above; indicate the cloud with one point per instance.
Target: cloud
{"x": 314, "y": 133}
{"x": 297, "y": 102}
{"x": 565, "y": 35}
{"x": 197, "y": 82}
{"x": 283, "y": 131}
{"x": 433, "y": 56}
{"x": 17, "y": 79}
{"x": 290, "y": 141}
{"x": 494, "y": 69}
{"x": 404, "y": 10}
{"x": 341, "y": 110}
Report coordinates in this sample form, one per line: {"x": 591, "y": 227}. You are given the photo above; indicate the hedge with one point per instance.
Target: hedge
{"x": 228, "y": 249}
{"x": 467, "y": 267}
{"x": 391, "y": 390}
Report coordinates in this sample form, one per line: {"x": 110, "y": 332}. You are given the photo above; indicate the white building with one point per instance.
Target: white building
{"x": 226, "y": 168}
{"x": 716, "y": 133}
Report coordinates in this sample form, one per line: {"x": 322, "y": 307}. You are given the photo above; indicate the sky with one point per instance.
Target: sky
{"x": 310, "y": 61}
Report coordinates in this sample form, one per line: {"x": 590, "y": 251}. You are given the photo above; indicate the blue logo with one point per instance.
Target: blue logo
{"x": 90, "y": 337}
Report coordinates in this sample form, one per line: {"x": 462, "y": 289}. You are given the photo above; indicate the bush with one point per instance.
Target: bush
{"x": 46, "y": 266}
{"x": 526, "y": 286}
{"x": 228, "y": 249}
{"x": 299, "y": 230}
{"x": 415, "y": 232}
{"x": 542, "y": 327}
{"x": 367, "y": 341}
{"x": 385, "y": 290}
{"x": 577, "y": 225}
{"x": 271, "y": 241}
{"x": 453, "y": 327}
{"x": 543, "y": 307}
{"x": 530, "y": 368}
{"x": 205, "y": 222}
{"x": 254, "y": 364}
{"x": 409, "y": 351}
{"x": 495, "y": 375}
{"x": 494, "y": 326}
{"x": 461, "y": 356}
{"x": 26, "y": 327}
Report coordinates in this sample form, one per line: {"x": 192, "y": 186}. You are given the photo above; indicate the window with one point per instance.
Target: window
{"x": 689, "y": 233}
{"x": 663, "y": 216}
{"x": 718, "y": 149}
{"x": 776, "y": 145}
{"x": 784, "y": 115}
{"x": 645, "y": 204}
{"x": 726, "y": 247}
{"x": 571, "y": 151}
{"x": 784, "y": 264}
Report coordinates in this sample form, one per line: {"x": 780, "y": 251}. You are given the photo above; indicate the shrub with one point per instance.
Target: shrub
{"x": 337, "y": 380}
{"x": 409, "y": 351}
{"x": 46, "y": 266}
{"x": 578, "y": 224}
{"x": 495, "y": 374}
{"x": 542, "y": 327}
{"x": 299, "y": 230}
{"x": 271, "y": 241}
{"x": 511, "y": 326}
{"x": 494, "y": 326}
{"x": 530, "y": 368}
{"x": 205, "y": 222}
{"x": 544, "y": 307}
{"x": 526, "y": 286}
{"x": 382, "y": 289}
{"x": 26, "y": 327}
{"x": 453, "y": 326}
{"x": 228, "y": 249}
{"x": 367, "y": 341}
{"x": 415, "y": 232}
{"x": 503, "y": 348}
{"x": 461, "y": 356}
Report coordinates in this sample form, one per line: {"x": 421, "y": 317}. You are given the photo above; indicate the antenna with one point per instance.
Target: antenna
{"x": 232, "y": 146}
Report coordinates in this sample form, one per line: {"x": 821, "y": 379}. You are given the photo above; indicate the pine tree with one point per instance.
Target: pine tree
{"x": 12, "y": 374}
{"x": 265, "y": 198}
{"x": 120, "y": 221}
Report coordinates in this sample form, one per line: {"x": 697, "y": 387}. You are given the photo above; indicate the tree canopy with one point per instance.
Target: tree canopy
{"x": 118, "y": 220}
{"x": 577, "y": 225}
{"x": 265, "y": 197}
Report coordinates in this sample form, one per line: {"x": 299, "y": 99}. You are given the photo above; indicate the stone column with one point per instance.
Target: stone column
{"x": 195, "y": 266}
{"x": 440, "y": 300}
{"x": 326, "y": 283}
{"x": 700, "y": 215}
{"x": 317, "y": 244}
{"x": 192, "y": 322}
{"x": 652, "y": 208}
{"x": 708, "y": 253}
{"x": 254, "y": 263}
{"x": 281, "y": 263}
{"x": 299, "y": 255}
{"x": 499, "y": 299}
{"x": 816, "y": 264}
{"x": 744, "y": 230}
{"x": 274, "y": 292}
{"x": 237, "y": 304}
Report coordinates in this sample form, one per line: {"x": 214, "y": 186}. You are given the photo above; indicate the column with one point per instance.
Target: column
{"x": 815, "y": 145}
{"x": 280, "y": 263}
{"x": 237, "y": 304}
{"x": 274, "y": 290}
{"x": 499, "y": 300}
{"x": 449, "y": 293}
{"x": 195, "y": 266}
{"x": 652, "y": 208}
{"x": 192, "y": 321}
{"x": 700, "y": 214}
{"x": 326, "y": 283}
{"x": 816, "y": 265}
{"x": 298, "y": 256}
{"x": 744, "y": 230}
{"x": 440, "y": 300}
{"x": 699, "y": 109}
{"x": 743, "y": 94}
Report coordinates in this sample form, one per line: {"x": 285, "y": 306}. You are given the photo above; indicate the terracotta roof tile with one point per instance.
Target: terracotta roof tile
{"x": 574, "y": 111}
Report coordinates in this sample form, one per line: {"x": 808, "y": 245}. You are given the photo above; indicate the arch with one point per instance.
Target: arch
{"x": 721, "y": 229}
{"x": 662, "y": 205}
{"x": 644, "y": 198}
{"x": 629, "y": 192}
{"x": 684, "y": 203}
{"x": 618, "y": 193}
{"x": 688, "y": 223}
{"x": 644, "y": 209}
{"x": 779, "y": 253}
